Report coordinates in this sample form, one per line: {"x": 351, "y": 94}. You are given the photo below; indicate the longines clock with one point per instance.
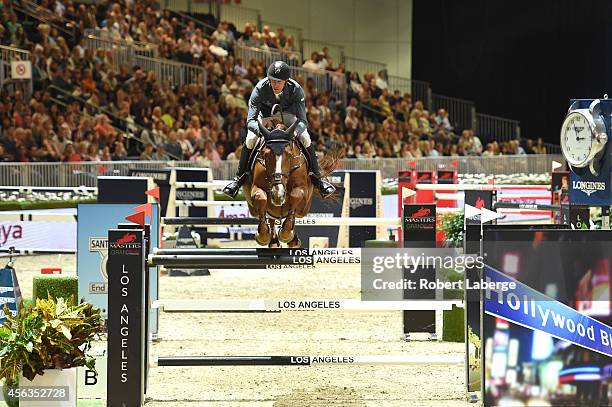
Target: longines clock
{"x": 585, "y": 133}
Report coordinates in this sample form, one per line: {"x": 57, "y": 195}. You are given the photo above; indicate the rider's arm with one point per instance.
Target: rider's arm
{"x": 300, "y": 103}
{"x": 254, "y": 108}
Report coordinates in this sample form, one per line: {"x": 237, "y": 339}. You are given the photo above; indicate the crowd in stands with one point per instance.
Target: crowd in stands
{"x": 83, "y": 109}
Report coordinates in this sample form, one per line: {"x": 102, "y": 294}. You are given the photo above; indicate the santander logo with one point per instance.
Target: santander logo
{"x": 480, "y": 203}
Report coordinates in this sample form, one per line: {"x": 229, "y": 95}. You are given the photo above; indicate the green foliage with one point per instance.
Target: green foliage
{"x": 53, "y": 334}
{"x": 452, "y": 226}
{"x": 55, "y": 286}
{"x": 453, "y": 330}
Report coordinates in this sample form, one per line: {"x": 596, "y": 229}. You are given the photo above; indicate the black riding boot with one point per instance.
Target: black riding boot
{"x": 233, "y": 187}
{"x": 324, "y": 187}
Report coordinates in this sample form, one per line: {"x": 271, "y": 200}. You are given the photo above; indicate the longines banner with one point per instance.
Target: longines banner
{"x": 527, "y": 307}
{"x": 94, "y": 222}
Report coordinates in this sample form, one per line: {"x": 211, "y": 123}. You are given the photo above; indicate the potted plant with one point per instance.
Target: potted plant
{"x": 42, "y": 345}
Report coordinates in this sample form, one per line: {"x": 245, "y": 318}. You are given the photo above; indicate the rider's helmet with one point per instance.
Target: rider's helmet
{"x": 279, "y": 71}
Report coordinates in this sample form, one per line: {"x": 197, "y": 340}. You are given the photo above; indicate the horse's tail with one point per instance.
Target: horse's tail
{"x": 329, "y": 163}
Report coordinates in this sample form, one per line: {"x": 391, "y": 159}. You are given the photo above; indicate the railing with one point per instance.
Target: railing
{"x": 125, "y": 53}
{"x": 323, "y": 81}
{"x": 85, "y": 173}
{"x": 239, "y": 16}
{"x": 497, "y": 128}
{"x": 552, "y": 148}
{"x": 335, "y": 51}
{"x": 296, "y": 32}
{"x": 462, "y": 112}
{"x": 185, "y": 18}
{"x": 267, "y": 56}
{"x": 8, "y": 54}
{"x": 45, "y": 15}
{"x": 101, "y": 38}
{"x": 189, "y": 6}
{"x": 418, "y": 90}
{"x": 122, "y": 52}
{"x": 363, "y": 66}
{"x": 176, "y": 73}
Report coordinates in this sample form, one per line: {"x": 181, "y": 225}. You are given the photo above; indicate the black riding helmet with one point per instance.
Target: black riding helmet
{"x": 279, "y": 71}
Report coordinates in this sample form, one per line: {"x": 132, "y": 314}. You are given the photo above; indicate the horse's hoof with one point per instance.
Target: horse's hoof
{"x": 274, "y": 244}
{"x": 295, "y": 243}
{"x": 286, "y": 236}
{"x": 262, "y": 240}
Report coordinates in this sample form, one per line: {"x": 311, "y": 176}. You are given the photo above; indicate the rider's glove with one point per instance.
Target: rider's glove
{"x": 299, "y": 128}
{"x": 252, "y": 126}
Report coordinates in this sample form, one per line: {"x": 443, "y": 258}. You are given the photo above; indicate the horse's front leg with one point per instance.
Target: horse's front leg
{"x": 295, "y": 198}
{"x": 260, "y": 200}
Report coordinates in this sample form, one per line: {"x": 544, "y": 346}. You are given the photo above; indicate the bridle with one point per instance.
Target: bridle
{"x": 276, "y": 178}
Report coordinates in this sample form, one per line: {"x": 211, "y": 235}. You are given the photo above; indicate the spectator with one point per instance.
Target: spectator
{"x": 313, "y": 63}
{"x": 539, "y": 147}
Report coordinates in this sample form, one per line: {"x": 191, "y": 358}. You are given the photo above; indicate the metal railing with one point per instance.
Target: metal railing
{"x": 497, "y": 128}
{"x": 122, "y": 52}
{"x": 240, "y": 16}
{"x": 176, "y": 73}
{"x": 189, "y": 6}
{"x": 461, "y": 112}
{"x": 85, "y": 173}
{"x": 335, "y": 51}
{"x": 185, "y": 18}
{"x": 323, "y": 81}
{"x": 45, "y": 15}
{"x": 267, "y": 56}
{"x": 101, "y": 38}
{"x": 8, "y": 54}
{"x": 128, "y": 54}
{"x": 363, "y": 66}
{"x": 418, "y": 90}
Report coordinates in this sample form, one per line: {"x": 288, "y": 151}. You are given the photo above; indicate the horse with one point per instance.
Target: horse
{"x": 279, "y": 187}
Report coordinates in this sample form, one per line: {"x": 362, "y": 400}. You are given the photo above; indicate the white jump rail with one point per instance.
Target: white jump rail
{"x": 206, "y": 204}
{"x": 210, "y": 184}
{"x": 479, "y": 187}
{"x": 301, "y": 305}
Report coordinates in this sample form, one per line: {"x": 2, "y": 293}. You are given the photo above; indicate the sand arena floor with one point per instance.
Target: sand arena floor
{"x": 287, "y": 333}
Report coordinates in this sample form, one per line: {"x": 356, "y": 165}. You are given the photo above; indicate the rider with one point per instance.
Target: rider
{"x": 277, "y": 88}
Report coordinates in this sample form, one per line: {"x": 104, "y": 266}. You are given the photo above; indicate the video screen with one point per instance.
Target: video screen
{"x": 524, "y": 366}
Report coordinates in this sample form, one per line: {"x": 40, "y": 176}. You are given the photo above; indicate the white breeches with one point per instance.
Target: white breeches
{"x": 251, "y": 139}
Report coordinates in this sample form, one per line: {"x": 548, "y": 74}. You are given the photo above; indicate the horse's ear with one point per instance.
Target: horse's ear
{"x": 263, "y": 130}
{"x": 291, "y": 128}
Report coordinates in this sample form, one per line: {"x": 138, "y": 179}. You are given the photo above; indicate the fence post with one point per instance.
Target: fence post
{"x": 474, "y": 119}
{"x": 518, "y": 131}
{"x": 429, "y": 101}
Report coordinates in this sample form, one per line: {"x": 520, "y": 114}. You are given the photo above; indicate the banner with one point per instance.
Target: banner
{"x": 530, "y": 308}
{"x": 42, "y": 236}
{"x": 94, "y": 222}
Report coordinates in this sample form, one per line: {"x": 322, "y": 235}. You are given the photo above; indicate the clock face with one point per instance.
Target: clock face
{"x": 576, "y": 139}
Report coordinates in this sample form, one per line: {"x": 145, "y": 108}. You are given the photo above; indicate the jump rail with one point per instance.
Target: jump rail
{"x": 221, "y": 306}
{"x": 310, "y": 360}
{"x": 480, "y": 187}
{"x": 314, "y": 221}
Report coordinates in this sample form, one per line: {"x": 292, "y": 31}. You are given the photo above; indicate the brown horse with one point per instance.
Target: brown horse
{"x": 279, "y": 185}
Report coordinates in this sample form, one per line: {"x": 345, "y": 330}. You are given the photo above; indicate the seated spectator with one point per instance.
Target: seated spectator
{"x": 442, "y": 121}
{"x": 313, "y": 63}
{"x": 539, "y": 147}
{"x": 381, "y": 80}
{"x": 236, "y": 98}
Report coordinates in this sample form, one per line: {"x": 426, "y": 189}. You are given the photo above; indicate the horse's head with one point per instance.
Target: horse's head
{"x": 277, "y": 155}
